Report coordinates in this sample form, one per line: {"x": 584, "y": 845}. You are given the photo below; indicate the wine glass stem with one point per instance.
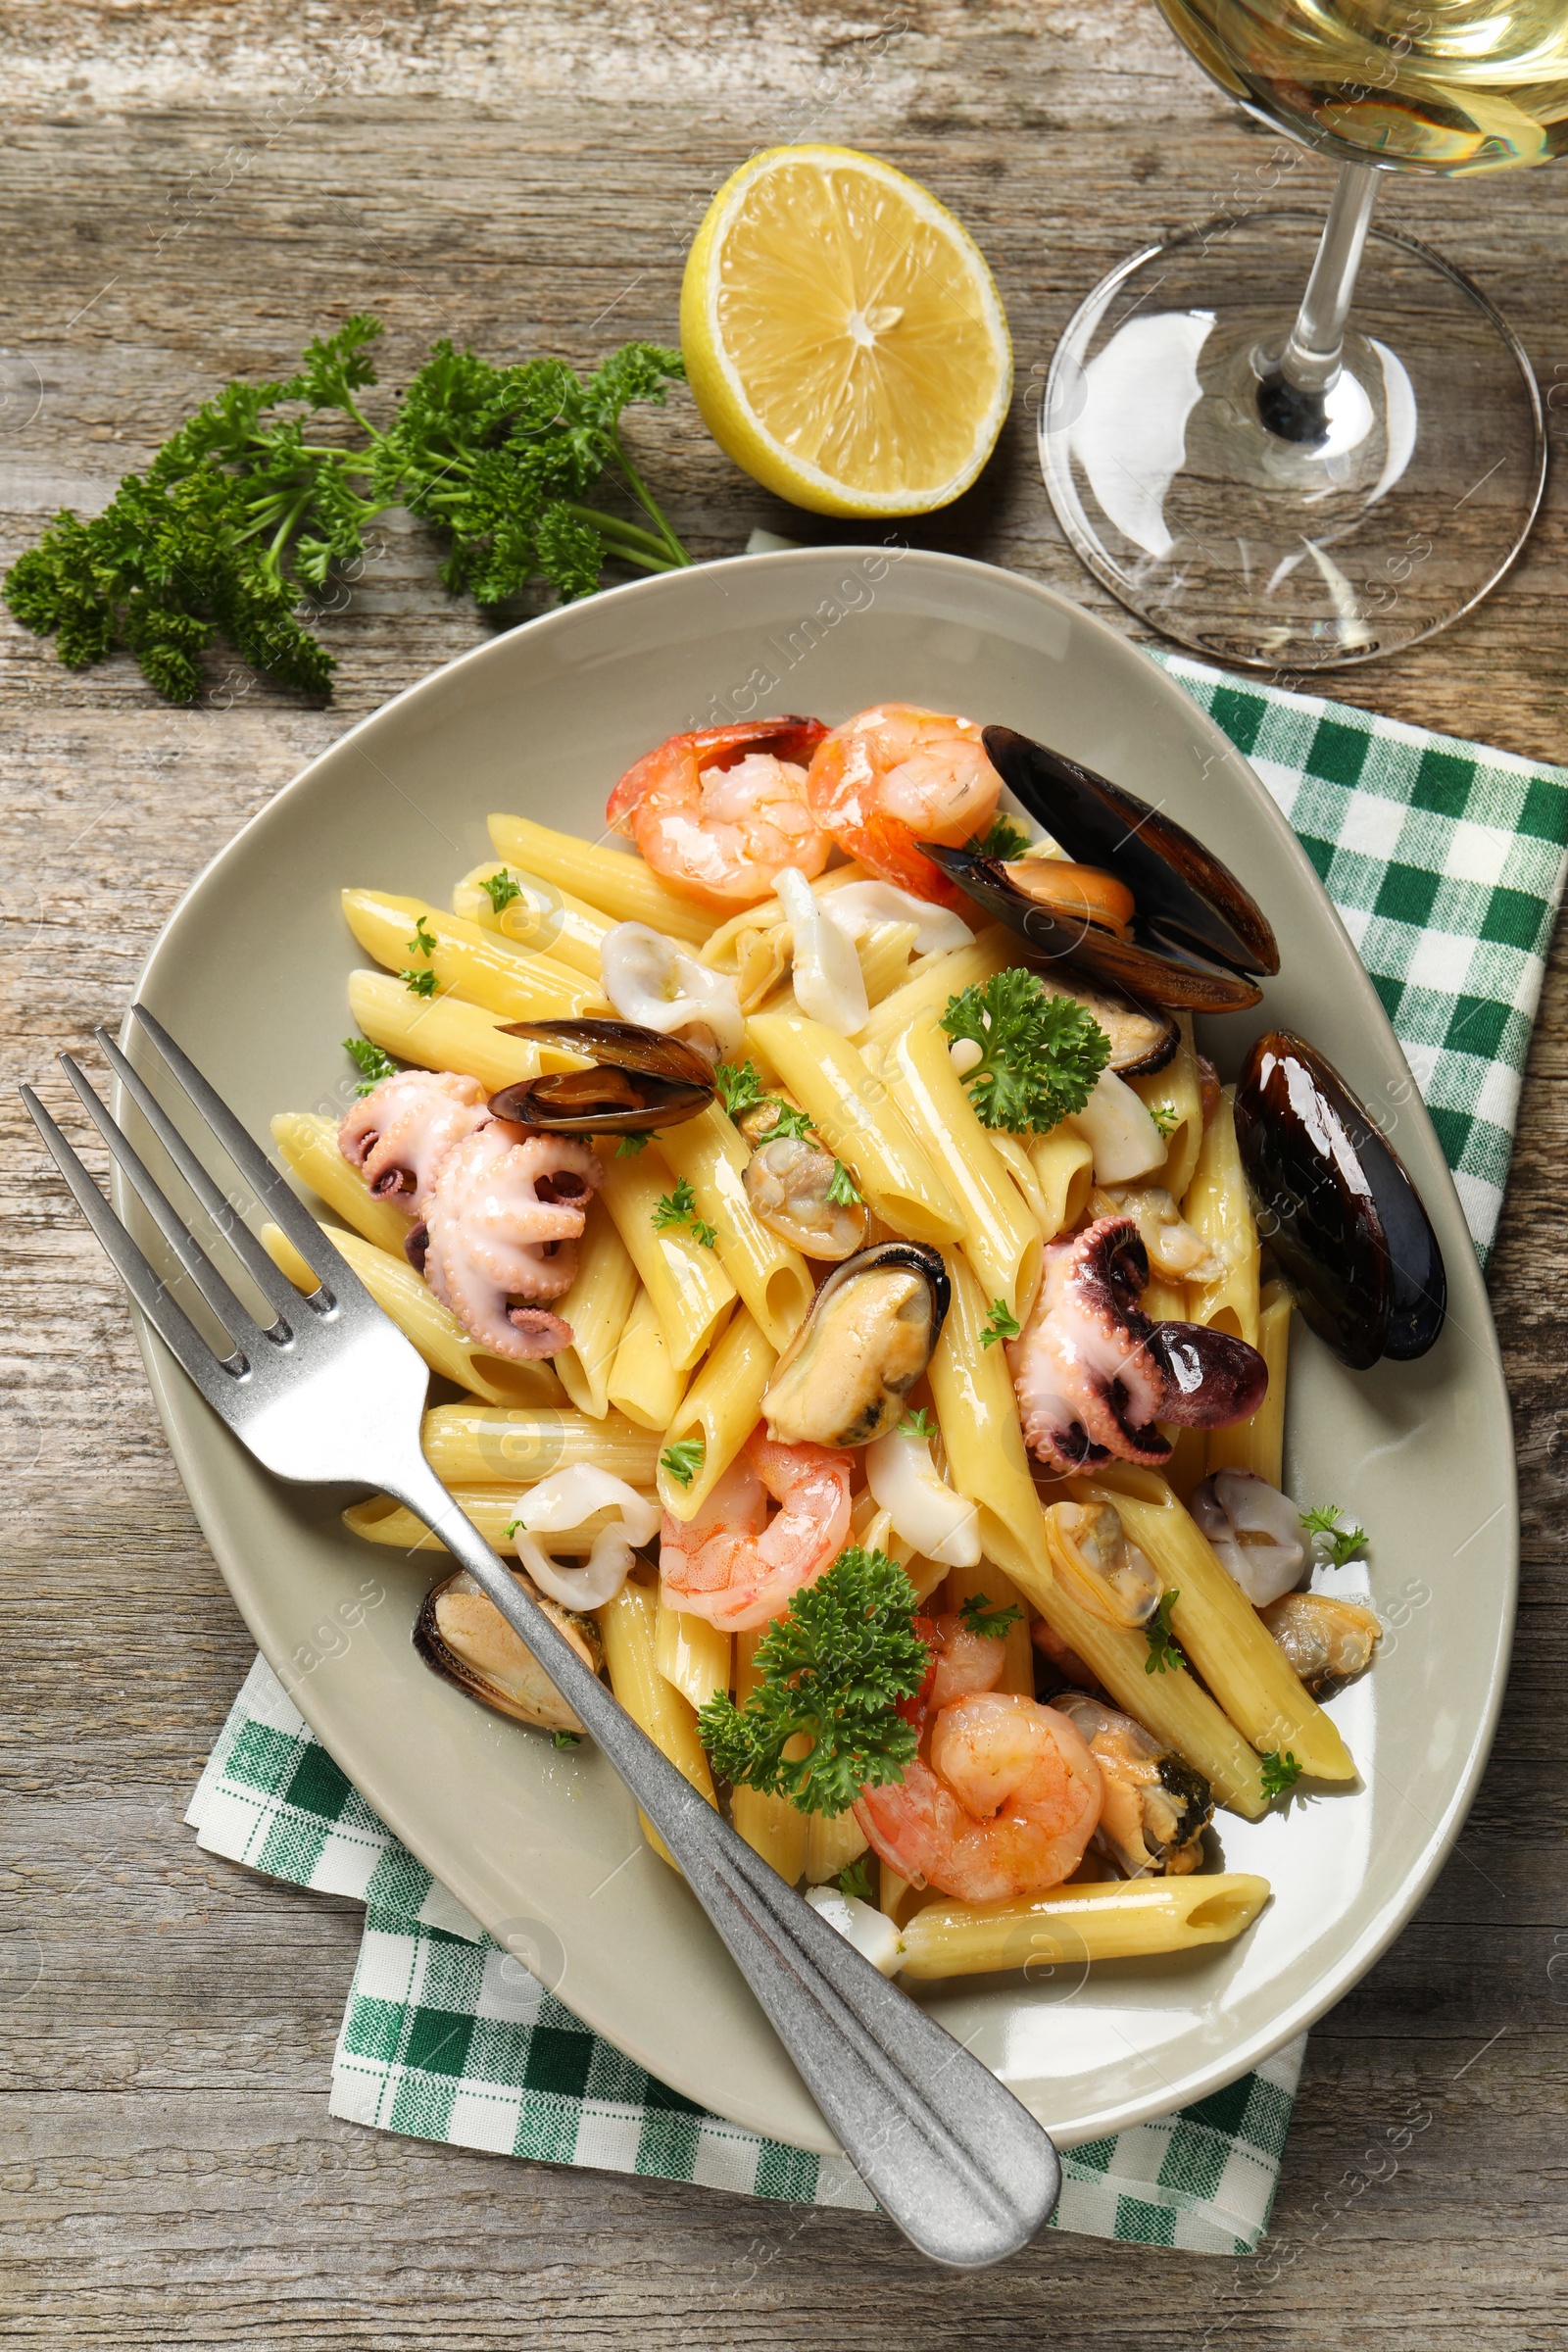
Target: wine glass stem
{"x": 1310, "y": 360}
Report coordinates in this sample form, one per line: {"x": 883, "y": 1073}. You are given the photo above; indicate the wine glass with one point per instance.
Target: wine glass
{"x": 1301, "y": 492}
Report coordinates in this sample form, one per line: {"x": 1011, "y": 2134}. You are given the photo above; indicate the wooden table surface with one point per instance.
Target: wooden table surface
{"x": 186, "y": 193}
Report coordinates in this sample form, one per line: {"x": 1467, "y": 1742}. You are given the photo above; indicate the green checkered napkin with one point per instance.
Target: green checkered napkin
{"x": 1446, "y": 861}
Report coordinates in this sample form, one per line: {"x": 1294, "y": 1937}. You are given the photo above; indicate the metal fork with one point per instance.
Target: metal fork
{"x": 332, "y": 1392}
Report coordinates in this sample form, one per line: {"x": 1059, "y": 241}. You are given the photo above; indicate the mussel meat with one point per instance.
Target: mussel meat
{"x": 1336, "y": 1206}
{"x": 463, "y": 1637}
{"x": 1325, "y": 1639}
{"x": 1138, "y": 902}
{"x": 1156, "y": 1806}
{"x": 870, "y": 1333}
{"x": 1255, "y": 1533}
{"x": 639, "y": 1081}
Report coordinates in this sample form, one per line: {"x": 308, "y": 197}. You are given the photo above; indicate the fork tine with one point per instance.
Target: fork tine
{"x": 275, "y": 1285}
{"x": 172, "y": 1326}
{"x": 237, "y": 1319}
{"x": 281, "y": 1201}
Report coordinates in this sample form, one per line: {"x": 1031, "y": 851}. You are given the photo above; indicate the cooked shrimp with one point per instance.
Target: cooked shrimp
{"x": 503, "y": 1224}
{"x": 400, "y": 1132}
{"x": 896, "y": 776}
{"x": 725, "y": 1565}
{"x": 1005, "y": 1808}
{"x": 718, "y": 814}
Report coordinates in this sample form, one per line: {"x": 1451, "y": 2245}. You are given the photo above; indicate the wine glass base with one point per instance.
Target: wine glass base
{"x": 1344, "y": 532}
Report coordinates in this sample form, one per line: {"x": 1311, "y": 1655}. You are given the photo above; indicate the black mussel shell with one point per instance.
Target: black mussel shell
{"x": 1336, "y": 1206}
{"x": 640, "y": 1081}
{"x": 1212, "y": 1378}
{"x": 1149, "y": 973}
{"x": 1187, "y": 900}
{"x": 918, "y": 1257}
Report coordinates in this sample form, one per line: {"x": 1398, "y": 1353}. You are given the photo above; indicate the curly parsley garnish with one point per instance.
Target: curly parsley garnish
{"x": 630, "y": 1145}
{"x": 418, "y": 984}
{"x": 566, "y": 1739}
{"x": 979, "y": 1617}
{"x": 740, "y": 1090}
{"x": 679, "y": 1208}
{"x": 1340, "y": 1544}
{"x": 834, "y": 1666}
{"x": 1164, "y": 1651}
{"x": 1280, "y": 1773}
{"x": 373, "y": 1064}
{"x": 1040, "y": 1055}
{"x": 840, "y": 1189}
{"x": 500, "y": 889}
{"x": 1003, "y": 1324}
{"x": 1166, "y": 1118}
{"x": 269, "y": 489}
{"x": 917, "y": 1425}
{"x": 1001, "y": 839}
{"x": 854, "y": 1880}
{"x": 684, "y": 1460}
{"x": 424, "y": 942}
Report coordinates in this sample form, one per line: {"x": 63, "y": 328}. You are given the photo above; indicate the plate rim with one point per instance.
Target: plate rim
{"x": 1399, "y": 1907}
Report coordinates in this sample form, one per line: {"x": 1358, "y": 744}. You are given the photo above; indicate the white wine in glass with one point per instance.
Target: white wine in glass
{"x": 1302, "y": 488}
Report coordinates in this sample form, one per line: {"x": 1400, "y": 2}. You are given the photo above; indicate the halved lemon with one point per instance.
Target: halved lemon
{"x": 845, "y": 341}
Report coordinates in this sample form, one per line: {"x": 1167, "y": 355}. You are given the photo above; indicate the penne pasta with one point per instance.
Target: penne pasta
{"x": 991, "y": 1585}
{"x": 626, "y": 1629}
{"x": 1216, "y": 1206}
{"x": 977, "y": 1412}
{"x": 720, "y": 1409}
{"x": 492, "y": 1508}
{"x": 644, "y": 1383}
{"x": 940, "y": 978}
{"x": 1171, "y": 1702}
{"x": 832, "y": 1843}
{"x": 1175, "y": 1092}
{"x": 518, "y": 1445}
{"x": 307, "y": 1144}
{"x": 1001, "y": 1239}
{"x": 1217, "y": 1626}
{"x": 770, "y": 1825}
{"x": 627, "y": 890}
{"x": 693, "y": 1654}
{"x": 467, "y": 961}
{"x": 421, "y": 1317}
{"x": 773, "y": 1280}
{"x": 446, "y": 1033}
{"x": 549, "y": 921}
{"x": 1259, "y": 1443}
{"x": 1117, "y": 1919}
{"x": 857, "y": 1116}
{"x": 884, "y": 954}
{"x": 1063, "y": 1163}
{"x": 596, "y": 1306}
{"x": 691, "y": 1292}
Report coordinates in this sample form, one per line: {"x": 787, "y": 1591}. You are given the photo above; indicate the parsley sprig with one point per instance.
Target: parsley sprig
{"x": 841, "y": 1191}
{"x": 373, "y": 1066}
{"x": 1002, "y": 839}
{"x": 1164, "y": 1651}
{"x": 1340, "y": 1544}
{"x": 1040, "y": 1056}
{"x": 979, "y": 1617}
{"x": 740, "y": 1090}
{"x": 500, "y": 889}
{"x": 1280, "y": 1773}
{"x": 917, "y": 1425}
{"x": 269, "y": 489}
{"x": 677, "y": 1208}
{"x": 1003, "y": 1324}
{"x": 855, "y": 1879}
{"x": 684, "y": 1460}
{"x": 834, "y": 1667}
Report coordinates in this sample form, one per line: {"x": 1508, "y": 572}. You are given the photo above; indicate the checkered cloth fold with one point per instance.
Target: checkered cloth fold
{"x": 1446, "y": 861}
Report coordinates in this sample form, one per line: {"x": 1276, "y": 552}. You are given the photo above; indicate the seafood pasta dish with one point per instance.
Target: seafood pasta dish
{"x": 864, "y": 1316}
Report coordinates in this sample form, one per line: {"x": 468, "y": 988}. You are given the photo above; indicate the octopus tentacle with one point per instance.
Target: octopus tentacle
{"x": 400, "y": 1132}
{"x": 1093, "y": 1375}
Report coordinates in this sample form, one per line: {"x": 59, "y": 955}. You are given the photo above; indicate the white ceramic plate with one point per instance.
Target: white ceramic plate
{"x": 543, "y": 1846}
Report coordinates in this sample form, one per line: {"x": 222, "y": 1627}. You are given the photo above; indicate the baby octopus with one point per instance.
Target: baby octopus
{"x": 495, "y": 1213}
{"x": 1003, "y": 1799}
{"x": 1095, "y": 1375}
{"x": 503, "y": 1225}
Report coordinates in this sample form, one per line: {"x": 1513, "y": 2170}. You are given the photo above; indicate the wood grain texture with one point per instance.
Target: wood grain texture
{"x": 187, "y": 190}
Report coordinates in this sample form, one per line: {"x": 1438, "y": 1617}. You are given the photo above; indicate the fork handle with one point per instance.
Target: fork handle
{"x": 944, "y": 2146}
